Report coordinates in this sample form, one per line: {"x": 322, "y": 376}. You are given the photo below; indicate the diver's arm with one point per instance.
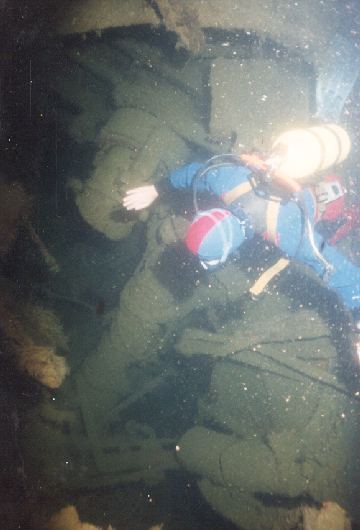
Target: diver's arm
{"x": 140, "y": 198}
{"x": 184, "y": 176}
{"x": 144, "y": 196}
{"x": 218, "y": 179}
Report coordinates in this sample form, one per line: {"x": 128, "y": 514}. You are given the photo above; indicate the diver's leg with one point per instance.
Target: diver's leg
{"x": 336, "y": 270}
{"x": 344, "y": 277}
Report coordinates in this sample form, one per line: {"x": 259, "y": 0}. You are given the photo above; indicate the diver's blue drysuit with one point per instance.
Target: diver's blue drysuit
{"x": 291, "y": 236}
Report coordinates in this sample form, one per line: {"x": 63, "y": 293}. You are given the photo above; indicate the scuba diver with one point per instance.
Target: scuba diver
{"x": 258, "y": 198}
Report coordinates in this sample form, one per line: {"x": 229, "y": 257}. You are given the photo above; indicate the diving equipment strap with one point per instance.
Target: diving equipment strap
{"x": 257, "y": 288}
{"x": 272, "y": 207}
{"x": 237, "y": 192}
{"x": 272, "y": 214}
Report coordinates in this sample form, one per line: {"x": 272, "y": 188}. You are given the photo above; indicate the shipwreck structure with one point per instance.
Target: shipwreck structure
{"x": 269, "y": 423}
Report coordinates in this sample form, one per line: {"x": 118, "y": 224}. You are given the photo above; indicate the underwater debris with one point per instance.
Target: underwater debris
{"x": 330, "y": 515}
{"x": 47, "y": 257}
{"x": 68, "y": 519}
{"x": 15, "y": 208}
{"x": 33, "y": 334}
{"x": 43, "y": 364}
{"x": 183, "y": 20}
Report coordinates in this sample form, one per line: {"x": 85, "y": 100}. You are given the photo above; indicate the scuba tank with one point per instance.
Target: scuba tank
{"x": 301, "y": 153}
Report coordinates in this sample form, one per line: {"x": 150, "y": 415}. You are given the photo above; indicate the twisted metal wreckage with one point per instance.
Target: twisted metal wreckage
{"x": 274, "y": 424}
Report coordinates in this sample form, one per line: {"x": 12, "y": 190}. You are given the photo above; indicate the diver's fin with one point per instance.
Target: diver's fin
{"x": 339, "y": 70}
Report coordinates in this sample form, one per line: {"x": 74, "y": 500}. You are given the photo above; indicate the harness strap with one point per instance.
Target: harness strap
{"x": 257, "y": 288}
{"x": 272, "y": 214}
{"x": 237, "y": 192}
{"x": 272, "y": 208}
